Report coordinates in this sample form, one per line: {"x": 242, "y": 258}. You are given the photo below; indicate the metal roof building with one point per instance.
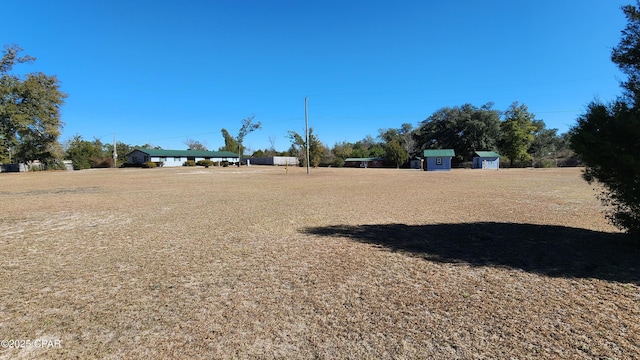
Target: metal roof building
{"x": 178, "y": 157}
{"x": 438, "y": 159}
{"x": 486, "y": 160}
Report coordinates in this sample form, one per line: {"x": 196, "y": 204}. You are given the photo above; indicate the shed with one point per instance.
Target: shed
{"x": 16, "y": 167}
{"x": 178, "y": 157}
{"x": 364, "y": 162}
{"x": 416, "y": 163}
{"x": 438, "y": 159}
{"x": 486, "y": 160}
{"x": 275, "y": 160}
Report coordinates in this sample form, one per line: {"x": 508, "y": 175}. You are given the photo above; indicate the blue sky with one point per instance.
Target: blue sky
{"x": 162, "y": 72}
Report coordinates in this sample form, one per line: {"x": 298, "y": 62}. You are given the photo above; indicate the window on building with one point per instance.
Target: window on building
{"x": 439, "y": 161}
{"x": 177, "y": 158}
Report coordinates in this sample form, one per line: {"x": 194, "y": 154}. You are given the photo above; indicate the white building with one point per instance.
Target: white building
{"x": 179, "y": 157}
{"x": 275, "y": 160}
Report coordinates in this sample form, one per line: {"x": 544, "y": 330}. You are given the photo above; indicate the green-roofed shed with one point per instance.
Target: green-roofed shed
{"x": 486, "y": 160}
{"x": 438, "y": 159}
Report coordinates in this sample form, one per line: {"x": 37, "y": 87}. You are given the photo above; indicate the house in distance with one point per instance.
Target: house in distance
{"x": 179, "y": 157}
{"x": 438, "y": 159}
{"x": 364, "y": 162}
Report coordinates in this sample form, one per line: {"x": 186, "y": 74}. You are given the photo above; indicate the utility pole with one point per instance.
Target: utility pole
{"x": 115, "y": 153}
{"x": 306, "y": 130}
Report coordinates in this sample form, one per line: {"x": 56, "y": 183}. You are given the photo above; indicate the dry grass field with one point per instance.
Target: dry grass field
{"x": 189, "y": 263}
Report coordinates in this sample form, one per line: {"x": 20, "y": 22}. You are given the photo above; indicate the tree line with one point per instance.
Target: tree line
{"x": 514, "y": 133}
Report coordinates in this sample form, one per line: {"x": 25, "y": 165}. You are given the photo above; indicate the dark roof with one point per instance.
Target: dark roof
{"x": 439, "y": 153}
{"x": 488, "y": 154}
{"x": 186, "y": 153}
{"x": 363, "y": 159}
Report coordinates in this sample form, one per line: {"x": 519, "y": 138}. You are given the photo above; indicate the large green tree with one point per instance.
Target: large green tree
{"x": 627, "y": 54}
{"x": 84, "y": 154}
{"x": 122, "y": 150}
{"x": 517, "y": 133}
{"x": 465, "y": 129}
{"x": 234, "y": 144}
{"x": 29, "y": 112}
{"x": 316, "y": 148}
{"x": 230, "y": 143}
{"x": 248, "y": 126}
{"x": 404, "y": 136}
{"x": 607, "y": 136}
{"x": 481, "y": 132}
{"x": 95, "y": 154}
{"x": 341, "y": 151}
{"x": 396, "y": 144}
{"x": 395, "y": 153}
{"x": 368, "y": 147}
{"x": 545, "y": 142}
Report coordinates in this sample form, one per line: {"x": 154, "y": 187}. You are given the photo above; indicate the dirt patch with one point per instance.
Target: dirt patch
{"x": 343, "y": 263}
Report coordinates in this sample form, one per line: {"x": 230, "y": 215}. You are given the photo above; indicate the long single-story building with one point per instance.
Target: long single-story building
{"x": 486, "y": 160}
{"x": 438, "y": 159}
{"x": 179, "y": 157}
{"x": 275, "y": 160}
{"x": 364, "y": 162}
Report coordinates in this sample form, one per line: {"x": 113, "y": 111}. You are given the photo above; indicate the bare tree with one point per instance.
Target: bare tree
{"x": 195, "y": 145}
{"x": 272, "y": 143}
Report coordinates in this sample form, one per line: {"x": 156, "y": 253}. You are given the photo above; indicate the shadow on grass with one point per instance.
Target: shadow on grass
{"x": 556, "y": 251}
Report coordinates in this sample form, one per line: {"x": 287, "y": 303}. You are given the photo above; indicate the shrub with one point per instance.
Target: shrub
{"x": 127, "y": 165}
{"x": 101, "y": 162}
{"x": 149, "y": 165}
{"x": 55, "y": 166}
{"x": 205, "y": 163}
{"x": 189, "y": 163}
{"x": 545, "y": 163}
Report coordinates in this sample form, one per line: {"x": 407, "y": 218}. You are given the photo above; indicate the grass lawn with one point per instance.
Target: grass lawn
{"x": 187, "y": 263}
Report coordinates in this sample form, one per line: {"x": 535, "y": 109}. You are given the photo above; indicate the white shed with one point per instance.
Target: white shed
{"x": 486, "y": 160}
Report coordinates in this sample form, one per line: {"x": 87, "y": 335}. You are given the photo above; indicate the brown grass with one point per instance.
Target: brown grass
{"x": 344, "y": 263}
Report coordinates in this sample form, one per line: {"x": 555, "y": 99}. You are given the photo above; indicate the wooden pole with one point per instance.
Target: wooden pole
{"x": 306, "y": 122}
